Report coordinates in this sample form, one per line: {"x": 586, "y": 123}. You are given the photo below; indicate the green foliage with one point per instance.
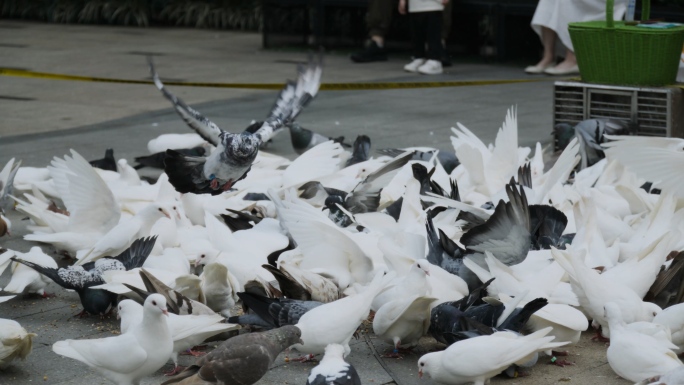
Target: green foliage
{"x": 222, "y": 14}
{"x": 230, "y": 14}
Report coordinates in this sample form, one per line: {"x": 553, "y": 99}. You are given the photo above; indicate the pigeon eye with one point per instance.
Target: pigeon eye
{"x": 419, "y": 266}
{"x": 202, "y": 256}
{"x": 422, "y": 364}
{"x": 154, "y": 303}
{"x": 174, "y": 207}
{"x": 159, "y": 209}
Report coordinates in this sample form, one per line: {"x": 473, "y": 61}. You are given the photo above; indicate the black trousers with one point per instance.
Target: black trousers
{"x": 380, "y": 12}
{"x": 426, "y": 30}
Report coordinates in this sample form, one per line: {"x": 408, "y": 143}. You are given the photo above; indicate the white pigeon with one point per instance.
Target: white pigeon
{"x": 24, "y": 278}
{"x": 5, "y": 298}
{"x": 673, "y": 377}
{"x": 414, "y": 283}
{"x": 403, "y": 321}
{"x": 220, "y": 288}
{"x": 567, "y": 322}
{"x": 659, "y": 160}
{"x": 15, "y": 342}
{"x": 673, "y": 318}
{"x": 93, "y": 211}
{"x": 187, "y": 331}
{"x": 478, "y": 359}
{"x": 594, "y": 291}
{"x": 122, "y": 235}
{"x": 633, "y": 355}
{"x": 336, "y": 322}
{"x": 127, "y": 358}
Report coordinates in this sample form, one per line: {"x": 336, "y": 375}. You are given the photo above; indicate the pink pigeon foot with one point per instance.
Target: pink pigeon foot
{"x": 177, "y": 369}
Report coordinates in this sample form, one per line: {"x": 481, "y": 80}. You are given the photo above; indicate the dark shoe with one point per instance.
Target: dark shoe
{"x": 372, "y": 53}
{"x": 446, "y": 60}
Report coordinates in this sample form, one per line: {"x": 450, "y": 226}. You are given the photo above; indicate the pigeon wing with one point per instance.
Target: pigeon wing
{"x": 137, "y": 253}
{"x": 207, "y": 129}
{"x": 243, "y": 364}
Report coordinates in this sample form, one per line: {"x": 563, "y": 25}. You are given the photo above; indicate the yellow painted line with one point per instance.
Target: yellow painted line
{"x": 272, "y": 86}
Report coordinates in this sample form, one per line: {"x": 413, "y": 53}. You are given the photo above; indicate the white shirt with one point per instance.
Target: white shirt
{"x": 425, "y": 5}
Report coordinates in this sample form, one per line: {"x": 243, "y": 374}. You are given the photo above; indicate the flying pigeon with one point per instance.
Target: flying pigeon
{"x": 127, "y": 358}
{"x": 234, "y": 153}
{"x": 360, "y": 150}
{"x": 157, "y": 159}
{"x": 82, "y": 278}
{"x": 243, "y": 359}
{"x": 333, "y": 369}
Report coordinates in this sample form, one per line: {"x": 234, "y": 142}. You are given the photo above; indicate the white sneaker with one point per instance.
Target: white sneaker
{"x": 431, "y": 67}
{"x": 413, "y": 66}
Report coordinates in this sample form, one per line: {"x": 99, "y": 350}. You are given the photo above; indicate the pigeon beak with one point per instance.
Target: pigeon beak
{"x": 118, "y": 316}
{"x": 420, "y": 373}
{"x": 165, "y": 312}
{"x": 178, "y": 215}
{"x": 167, "y": 215}
{"x": 301, "y": 342}
{"x": 427, "y": 273}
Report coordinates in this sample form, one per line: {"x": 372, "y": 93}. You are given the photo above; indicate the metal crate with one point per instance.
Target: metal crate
{"x": 657, "y": 111}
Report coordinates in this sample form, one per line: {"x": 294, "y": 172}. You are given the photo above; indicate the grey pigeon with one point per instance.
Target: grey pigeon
{"x": 668, "y": 288}
{"x": 234, "y": 153}
{"x": 156, "y": 160}
{"x": 333, "y": 369}
{"x": 242, "y": 360}
{"x": 365, "y": 197}
{"x": 506, "y": 234}
{"x": 82, "y": 278}
{"x": 591, "y": 133}
{"x": 304, "y": 139}
{"x": 360, "y": 150}
{"x": 272, "y": 312}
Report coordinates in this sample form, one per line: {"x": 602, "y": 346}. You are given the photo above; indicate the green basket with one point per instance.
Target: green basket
{"x": 610, "y": 52}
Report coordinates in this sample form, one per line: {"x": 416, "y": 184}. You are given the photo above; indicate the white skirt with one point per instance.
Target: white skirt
{"x": 556, "y": 14}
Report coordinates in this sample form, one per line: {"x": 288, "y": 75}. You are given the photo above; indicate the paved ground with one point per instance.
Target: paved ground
{"x": 45, "y": 118}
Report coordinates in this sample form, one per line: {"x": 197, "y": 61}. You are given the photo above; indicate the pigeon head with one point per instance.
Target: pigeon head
{"x": 289, "y": 335}
{"x": 612, "y": 312}
{"x": 422, "y": 265}
{"x": 241, "y": 147}
{"x": 331, "y": 200}
{"x": 563, "y": 133}
{"x": 429, "y": 364}
{"x": 125, "y": 308}
{"x": 156, "y": 304}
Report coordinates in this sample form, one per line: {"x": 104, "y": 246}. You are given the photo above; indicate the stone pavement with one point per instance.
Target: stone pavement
{"x": 42, "y": 118}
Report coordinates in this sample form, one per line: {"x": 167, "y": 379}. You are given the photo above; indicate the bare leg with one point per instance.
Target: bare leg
{"x": 549, "y": 42}
{"x": 379, "y": 40}
{"x": 176, "y": 369}
{"x": 569, "y": 62}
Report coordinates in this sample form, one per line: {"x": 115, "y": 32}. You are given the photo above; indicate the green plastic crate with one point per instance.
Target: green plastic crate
{"x": 610, "y": 52}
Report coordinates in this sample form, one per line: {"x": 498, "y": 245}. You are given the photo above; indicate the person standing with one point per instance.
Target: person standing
{"x": 550, "y": 22}
{"x": 426, "y": 34}
{"x": 378, "y": 21}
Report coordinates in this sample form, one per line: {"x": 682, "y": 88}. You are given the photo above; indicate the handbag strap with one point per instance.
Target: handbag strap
{"x": 610, "y": 4}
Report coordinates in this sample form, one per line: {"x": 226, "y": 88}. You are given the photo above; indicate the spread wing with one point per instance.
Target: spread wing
{"x": 207, "y": 129}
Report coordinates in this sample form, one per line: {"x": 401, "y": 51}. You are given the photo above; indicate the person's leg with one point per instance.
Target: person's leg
{"x": 417, "y": 22}
{"x": 569, "y": 62}
{"x": 446, "y": 30}
{"x": 549, "y": 42}
{"x": 418, "y": 34}
{"x": 378, "y": 20}
{"x": 433, "y": 37}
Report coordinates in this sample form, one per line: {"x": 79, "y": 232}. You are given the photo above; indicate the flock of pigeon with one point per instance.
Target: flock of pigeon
{"x": 489, "y": 251}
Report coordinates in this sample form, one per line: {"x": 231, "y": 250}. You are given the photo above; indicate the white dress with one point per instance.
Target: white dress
{"x": 556, "y": 14}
